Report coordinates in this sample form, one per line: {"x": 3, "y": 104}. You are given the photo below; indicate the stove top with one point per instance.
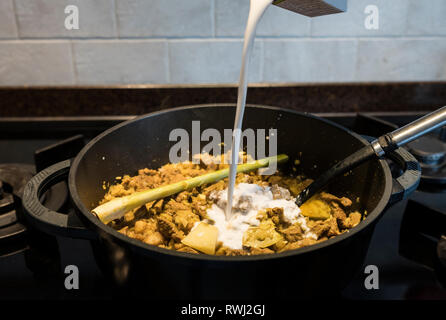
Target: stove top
{"x": 408, "y": 245}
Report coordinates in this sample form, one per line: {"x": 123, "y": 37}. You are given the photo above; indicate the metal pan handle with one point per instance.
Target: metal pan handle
{"x": 409, "y": 132}
{"x": 45, "y": 219}
{"x": 408, "y": 182}
{"x": 379, "y": 147}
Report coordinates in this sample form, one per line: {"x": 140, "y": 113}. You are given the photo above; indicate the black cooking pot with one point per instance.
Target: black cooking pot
{"x": 318, "y": 270}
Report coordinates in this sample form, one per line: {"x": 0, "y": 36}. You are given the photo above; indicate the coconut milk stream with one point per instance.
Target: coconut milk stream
{"x": 257, "y": 8}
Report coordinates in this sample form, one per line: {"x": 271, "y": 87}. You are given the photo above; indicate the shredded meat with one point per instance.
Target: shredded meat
{"x": 166, "y": 222}
{"x": 339, "y": 215}
{"x": 320, "y": 228}
{"x": 293, "y": 233}
{"x": 346, "y": 202}
{"x": 168, "y": 229}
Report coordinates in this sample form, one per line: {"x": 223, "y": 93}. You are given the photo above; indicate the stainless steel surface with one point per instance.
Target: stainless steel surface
{"x": 419, "y": 127}
{"x": 313, "y": 8}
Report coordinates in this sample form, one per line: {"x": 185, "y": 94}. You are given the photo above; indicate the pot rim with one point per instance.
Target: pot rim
{"x": 146, "y": 248}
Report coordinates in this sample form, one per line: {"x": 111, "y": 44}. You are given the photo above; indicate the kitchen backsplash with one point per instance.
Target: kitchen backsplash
{"x": 200, "y": 41}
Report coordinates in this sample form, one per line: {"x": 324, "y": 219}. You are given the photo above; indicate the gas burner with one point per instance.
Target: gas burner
{"x": 13, "y": 178}
{"x": 7, "y": 212}
{"x": 15, "y": 237}
{"x": 430, "y": 151}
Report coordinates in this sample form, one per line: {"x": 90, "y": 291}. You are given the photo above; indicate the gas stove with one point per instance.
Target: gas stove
{"x": 408, "y": 245}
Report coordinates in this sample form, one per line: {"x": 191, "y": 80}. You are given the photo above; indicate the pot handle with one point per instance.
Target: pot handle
{"x": 47, "y": 220}
{"x": 408, "y": 182}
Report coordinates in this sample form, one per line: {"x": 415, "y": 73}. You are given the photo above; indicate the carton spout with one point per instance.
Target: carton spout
{"x": 313, "y": 8}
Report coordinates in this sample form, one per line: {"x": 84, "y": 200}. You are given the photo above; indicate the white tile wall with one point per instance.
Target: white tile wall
{"x": 203, "y": 61}
{"x": 402, "y": 60}
{"x": 165, "y": 18}
{"x": 326, "y": 60}
{"x": 230, "y": 17}
{"x": 426, "y": 17}
{"x": 45, "y": 18}
{"x": 200, "y": 41}
{"x": 126, "y": 61}
{"x": 36, "y": 63}
{"x": 8, "y": 28}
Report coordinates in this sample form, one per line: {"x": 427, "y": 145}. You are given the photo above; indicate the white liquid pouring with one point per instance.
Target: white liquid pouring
{"x": 256, "y": 11}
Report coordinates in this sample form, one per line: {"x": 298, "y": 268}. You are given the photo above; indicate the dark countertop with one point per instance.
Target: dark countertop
{"x": 140, "y": 99}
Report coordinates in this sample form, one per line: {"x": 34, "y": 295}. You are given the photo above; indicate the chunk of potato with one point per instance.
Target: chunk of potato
{"x": 202, "y": 238}
{"x": 316, "y": 209}
{"x": 263, "y": 236}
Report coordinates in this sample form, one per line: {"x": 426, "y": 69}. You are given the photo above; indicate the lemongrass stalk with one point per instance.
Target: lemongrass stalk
{"x": 117, "y": 207}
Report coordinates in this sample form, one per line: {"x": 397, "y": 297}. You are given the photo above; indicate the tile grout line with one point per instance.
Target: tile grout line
{"x": 74, "y": 64}
{"x": 16, "y": 19}
{"x": 355, "y": 75}
{"x": 406, "y": 20}
{"x": 214, "y": 19}
{"x": 117, "y": 27}
{"x": 219, "y": 39}
{"x": 262, "y": 59}
{"x": 311, "y": 27}
{"x": 169, "y": 75}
